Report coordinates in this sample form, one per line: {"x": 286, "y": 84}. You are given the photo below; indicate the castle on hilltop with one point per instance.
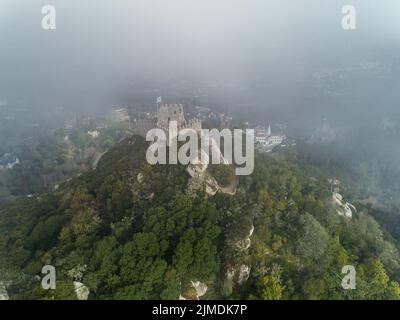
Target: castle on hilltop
{"x": 161, "y": 119}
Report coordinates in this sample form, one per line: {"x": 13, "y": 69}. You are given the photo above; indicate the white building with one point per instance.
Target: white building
{"x": 264, "y": 137}
{"x": 277, "y": 139}
{"x": 94, "y": 133}
{"x": 260, "y": 136}
{"x": 8, "y": 161}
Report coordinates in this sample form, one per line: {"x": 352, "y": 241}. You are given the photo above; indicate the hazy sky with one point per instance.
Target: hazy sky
{"x": 100, "y": 45}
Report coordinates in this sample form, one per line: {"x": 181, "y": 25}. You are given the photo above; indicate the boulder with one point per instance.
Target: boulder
{"x": 82, "y": 292}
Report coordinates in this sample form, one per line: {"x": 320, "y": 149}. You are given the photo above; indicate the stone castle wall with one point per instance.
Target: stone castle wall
{"x": 143, "y": 126}
{"x": 170, "y": 112}
{"x": 165, "y": 114}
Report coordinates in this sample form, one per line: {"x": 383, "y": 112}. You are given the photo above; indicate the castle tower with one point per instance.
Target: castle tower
{"x": 170, "y": 112}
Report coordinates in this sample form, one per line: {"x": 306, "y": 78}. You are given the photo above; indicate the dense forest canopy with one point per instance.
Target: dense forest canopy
{"x": 147, "y": 238}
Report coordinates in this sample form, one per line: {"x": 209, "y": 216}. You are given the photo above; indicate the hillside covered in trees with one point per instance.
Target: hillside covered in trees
{"x": 129, "y": 230}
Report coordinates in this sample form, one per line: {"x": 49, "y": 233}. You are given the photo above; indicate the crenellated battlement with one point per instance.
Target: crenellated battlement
{"x": 194, "y": 124}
